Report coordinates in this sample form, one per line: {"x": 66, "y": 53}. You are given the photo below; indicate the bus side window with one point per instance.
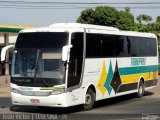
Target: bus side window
{"x": 152, "y": 47}
{"x": 76, "y": 59}
{"x": 143, "y": 46}
{"x": 93, "y": 45}
{"x": 108, "y": 48}
{"x": 122, "y": 46}
{"x": 132, "y": 43}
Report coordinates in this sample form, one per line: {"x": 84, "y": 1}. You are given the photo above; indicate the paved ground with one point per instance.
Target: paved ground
{"x": 4, "y": 86}
{"x": 126, "y": 107}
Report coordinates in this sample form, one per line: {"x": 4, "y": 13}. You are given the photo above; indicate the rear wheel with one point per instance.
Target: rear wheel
{"x": 89, "y": 100}
{"x": 141, "y": 89}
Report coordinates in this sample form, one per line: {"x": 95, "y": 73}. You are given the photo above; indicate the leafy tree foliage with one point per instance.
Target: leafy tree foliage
{"x": 140, "y": 27}
{"x": 155, "y": 28}
{"x": 143, "y": 17}
{"x": 87, "y": 17}
{"x": 125, "y": 20}
{"x": 107, "y": 16}
{"x": 100, "y": 16}
{"x": 158, "y": 19}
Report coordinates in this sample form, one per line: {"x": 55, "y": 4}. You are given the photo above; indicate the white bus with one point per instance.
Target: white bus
{"x": 68, "y": 64}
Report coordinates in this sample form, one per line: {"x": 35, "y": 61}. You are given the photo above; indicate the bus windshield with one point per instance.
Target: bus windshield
{"x": 39, "y": 57}
{"x": 42, "y": 40}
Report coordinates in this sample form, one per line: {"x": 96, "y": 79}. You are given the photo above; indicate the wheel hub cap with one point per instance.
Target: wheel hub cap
{"x": 88, "y": 99}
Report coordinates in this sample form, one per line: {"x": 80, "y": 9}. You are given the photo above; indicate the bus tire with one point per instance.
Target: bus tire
{"x": 89, "y": 100}
{"x": 141, "y": 89}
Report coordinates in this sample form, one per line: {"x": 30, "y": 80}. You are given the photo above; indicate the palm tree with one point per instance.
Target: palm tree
{"x": 143, "y": 17}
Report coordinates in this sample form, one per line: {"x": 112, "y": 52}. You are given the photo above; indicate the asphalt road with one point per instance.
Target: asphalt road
{"x": 126, "y": 107}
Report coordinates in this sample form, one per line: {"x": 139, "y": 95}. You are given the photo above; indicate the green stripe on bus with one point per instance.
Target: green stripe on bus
{"x": 137, "y": 69}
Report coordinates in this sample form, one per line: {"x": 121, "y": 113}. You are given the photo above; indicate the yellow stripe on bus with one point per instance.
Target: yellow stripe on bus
{"x": 135, "y": 77}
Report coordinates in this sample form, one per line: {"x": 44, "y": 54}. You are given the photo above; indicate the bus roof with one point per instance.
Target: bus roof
{"x": 87, "y": 26}
{"x": 92, "y": 29}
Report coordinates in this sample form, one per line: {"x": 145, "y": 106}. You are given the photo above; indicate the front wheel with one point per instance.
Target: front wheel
{"x": 141, "y": 89}
{"x": 89, "y": 100}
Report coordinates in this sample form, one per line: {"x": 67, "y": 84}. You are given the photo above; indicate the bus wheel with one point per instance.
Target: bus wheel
{"x": 141, "y": 89}
{"x": 89, "y": 100}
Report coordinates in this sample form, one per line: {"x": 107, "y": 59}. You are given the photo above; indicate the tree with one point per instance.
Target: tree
{"x": 140, "y": 27}
{"x": 143, "y": 17}
{"x": 125, "y": 20}
{"x": 106, "y": 16}
{"x": 155, "y": 28}
{"x": 87, "y": 16}
{"x": 158, "y": 19}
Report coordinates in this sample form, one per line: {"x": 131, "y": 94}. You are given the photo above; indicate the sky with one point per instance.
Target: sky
{"x": 29, "y": 14}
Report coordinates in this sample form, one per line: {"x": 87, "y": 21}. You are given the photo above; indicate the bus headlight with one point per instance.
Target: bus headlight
{"x": 14, "y": 90}
{"x": 58, "y": 91}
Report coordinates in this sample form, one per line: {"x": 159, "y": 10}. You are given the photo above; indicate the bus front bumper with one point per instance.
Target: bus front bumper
{"x": 59, "y": 100}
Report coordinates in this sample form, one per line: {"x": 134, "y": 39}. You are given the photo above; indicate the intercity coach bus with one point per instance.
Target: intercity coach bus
{"x": 68, "y": 64}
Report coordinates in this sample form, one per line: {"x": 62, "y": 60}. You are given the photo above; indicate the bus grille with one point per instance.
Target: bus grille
{"x": 35, "y": 93}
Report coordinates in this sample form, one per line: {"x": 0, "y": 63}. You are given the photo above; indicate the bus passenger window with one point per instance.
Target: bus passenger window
{"x": 132, "y": 46}
{"x": 122, "y": 46}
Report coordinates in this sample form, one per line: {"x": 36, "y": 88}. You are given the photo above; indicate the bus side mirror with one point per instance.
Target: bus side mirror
{"x": 4, "y": 51}
{"x": 65, "y": 52}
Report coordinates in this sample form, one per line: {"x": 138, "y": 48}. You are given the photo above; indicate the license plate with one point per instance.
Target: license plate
{"x": 35, "y": 101}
